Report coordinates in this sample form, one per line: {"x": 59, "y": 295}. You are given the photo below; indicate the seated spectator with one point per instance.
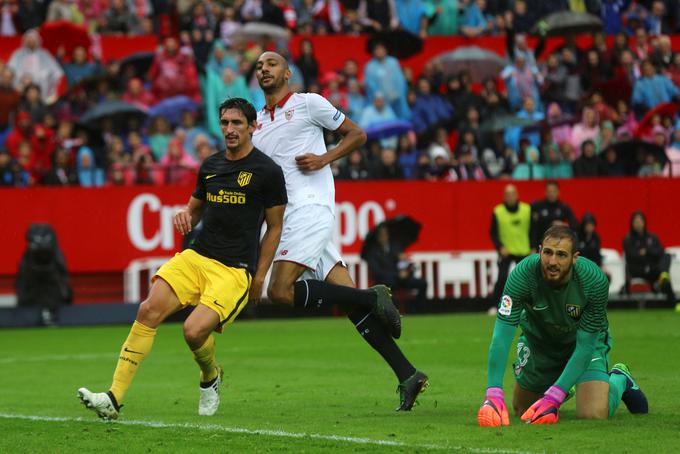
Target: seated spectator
{"x": 646, "y": 258}
{"x": 589, "y": 241}
{"x": 32, "y": 63}
{"x": 389, "y": 265}
{"x": 612, "y": 165}
{"x": 412, "y": 16}
{"x": 356, "y": 101}
{"x": 461, "y": 97}
{"x": 512, "y": 135}
{"x": 376, "y": 113}
{"x": 588, "y": 165}
{"x": 652, "y": 89}
{"x": 407, "y": 154}
{"x": 474, "y": 23}
{"x": 93, "y": 13}
{"x": 555, "y": 166}
{"x": 560, "y": 130}
{"x": 173, "y": 72}
{"x": 11, "y": 172}
{"x": 587, "y": 129}
{"x": 219, "y": 60}
{"x": 89, "y": 175}
{"x": 79, "y": 67}
{"x": 332, "y": 91}
{"x": 595, "y": 73}
{"x": 672, "y": 168}
{"x": 469, "y": 168}
{"x": 228, "y": 25}
{"x": 530, "y": 168}
{"x": 38, "y": 144}
{"x": 61, "y": 173}
{"x": 31, "y": 102}
{"x": 354, "y": 167}
{"x": 650, "y": 166}
{"x": 383, "y": 74}
{"x": 388, "y": 168}
{"x": 307, "y": 62}
{"x": 443, "y": 17}
{"x": 177, "y": 166}
{"x": 430, "y": 109}
{"x": 522, "y": 81}
{"x": 65, "y": 10}
{"x": 120, "y": 20}
{"x": 219, "y": 87}
{"x": 662, "y": 56}
{"x": 378, "y": 15}
{"x": 136, "y": 94}
{"x": 9, "y": 99}
{"x": 160, "y": 134}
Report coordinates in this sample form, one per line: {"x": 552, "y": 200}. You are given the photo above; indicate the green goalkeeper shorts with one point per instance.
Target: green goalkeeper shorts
{"x": 537, "y": 370}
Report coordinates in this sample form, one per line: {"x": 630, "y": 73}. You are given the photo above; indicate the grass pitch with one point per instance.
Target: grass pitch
{"x": 313, "y": 385}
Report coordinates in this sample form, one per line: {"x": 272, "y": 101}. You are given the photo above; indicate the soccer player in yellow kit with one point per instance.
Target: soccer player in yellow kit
{"x": 235, "y": 191}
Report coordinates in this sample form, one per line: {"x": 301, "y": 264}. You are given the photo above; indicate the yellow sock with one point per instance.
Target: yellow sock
{"x": 135, "y": 348}
{"x": 205, "y": 358}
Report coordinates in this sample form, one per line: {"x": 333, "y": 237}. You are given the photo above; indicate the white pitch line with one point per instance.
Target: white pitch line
{"x": 45, "y": 358}
{"x": 265, "y": 432}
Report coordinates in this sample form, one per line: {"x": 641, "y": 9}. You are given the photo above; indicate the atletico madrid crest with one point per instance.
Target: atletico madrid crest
{"x": 573, "y": 310}
{"x": 244, "y": 178}
{"x": 289, "y": 114}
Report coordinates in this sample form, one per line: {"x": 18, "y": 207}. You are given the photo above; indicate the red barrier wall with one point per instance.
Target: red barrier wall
{"x": 104, "y": 229}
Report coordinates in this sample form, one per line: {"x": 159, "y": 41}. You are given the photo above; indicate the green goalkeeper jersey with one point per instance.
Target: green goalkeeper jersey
{"x": 549, "y": 316}
{"x": 564, "y": 322}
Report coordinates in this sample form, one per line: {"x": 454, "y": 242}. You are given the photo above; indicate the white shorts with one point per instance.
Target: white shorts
{"x": 307, "y": 239}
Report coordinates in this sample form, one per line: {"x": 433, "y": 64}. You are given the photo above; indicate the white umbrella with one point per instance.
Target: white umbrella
{"x": 480, "y": 63}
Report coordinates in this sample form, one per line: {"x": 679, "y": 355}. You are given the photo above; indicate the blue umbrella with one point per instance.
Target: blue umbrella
{"x": 120, "y": 111}
{"x": 389, "y": 128}
{"x": 172, "y": 108}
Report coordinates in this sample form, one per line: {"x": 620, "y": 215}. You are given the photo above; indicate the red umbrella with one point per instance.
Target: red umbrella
{"x": 667, "y": 109}
{"x": 63, "y": 33}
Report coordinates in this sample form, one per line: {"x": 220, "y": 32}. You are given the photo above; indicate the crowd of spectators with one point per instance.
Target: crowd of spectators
{"x": 584, "y": 104}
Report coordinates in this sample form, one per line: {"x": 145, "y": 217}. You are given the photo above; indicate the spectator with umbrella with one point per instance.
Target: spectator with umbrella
{"x": 137, "y": 95}
{"x": 588, "y": 165}
{"x": 383, "y": 250}
{"x": 79, "y": 67}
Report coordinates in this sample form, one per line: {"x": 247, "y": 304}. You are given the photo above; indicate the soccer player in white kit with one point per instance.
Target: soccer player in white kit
{"x": 308, "y": 271}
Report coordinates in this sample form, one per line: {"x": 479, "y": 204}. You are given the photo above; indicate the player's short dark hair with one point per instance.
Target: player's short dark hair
{"x": 241, "y": 104}
{"x": 560, "y": 232}
{"x": 552, "y": 183}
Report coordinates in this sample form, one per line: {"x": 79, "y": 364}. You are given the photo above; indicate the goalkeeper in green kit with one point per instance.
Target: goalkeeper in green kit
{"x": 560, "y": 301}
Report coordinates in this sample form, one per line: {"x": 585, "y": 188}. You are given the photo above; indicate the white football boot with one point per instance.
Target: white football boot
{"x": 210, "y": 396}
{"x": 100, "y": 403}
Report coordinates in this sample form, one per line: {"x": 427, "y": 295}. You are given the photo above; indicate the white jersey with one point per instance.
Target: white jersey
{"x": 295, "y": 127}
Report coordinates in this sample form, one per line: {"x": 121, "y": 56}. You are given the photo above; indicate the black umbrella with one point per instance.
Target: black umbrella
{"x": 119, "y": 111}
{"x": 399, "y": 43}
{"x": 632, "y": 153}
{"x": 480, "y": 63}
{"x": 565, "y": 23}
{"x": 403, "y": 231}
{"x": 141, "y": 63}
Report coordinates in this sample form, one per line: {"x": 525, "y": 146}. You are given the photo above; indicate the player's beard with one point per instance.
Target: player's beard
{"x": 275, "y": 84}
{"x": 557, "y": 279}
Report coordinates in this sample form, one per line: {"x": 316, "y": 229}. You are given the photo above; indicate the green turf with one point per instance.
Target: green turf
{"x": 316, "y": 377}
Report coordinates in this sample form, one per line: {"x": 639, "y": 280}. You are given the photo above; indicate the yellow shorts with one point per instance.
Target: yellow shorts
{"x": 200, "y": 280}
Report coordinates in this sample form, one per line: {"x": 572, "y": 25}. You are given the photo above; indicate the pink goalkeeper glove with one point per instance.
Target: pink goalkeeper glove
{"x": 494, "y": 412}
{"x": 546, "y": 410}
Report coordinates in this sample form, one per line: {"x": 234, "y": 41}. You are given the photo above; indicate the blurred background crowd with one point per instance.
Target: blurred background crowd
{"x": 607, "y": 109}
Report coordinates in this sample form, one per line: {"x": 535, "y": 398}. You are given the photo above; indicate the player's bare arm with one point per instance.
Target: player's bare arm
{"x": 270, "y": 241}
{"x": 186, "y": 218}
{"x": 352, "y": 138}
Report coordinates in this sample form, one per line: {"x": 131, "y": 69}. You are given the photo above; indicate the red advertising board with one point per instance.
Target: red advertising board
{"x": 105, "y": 229}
